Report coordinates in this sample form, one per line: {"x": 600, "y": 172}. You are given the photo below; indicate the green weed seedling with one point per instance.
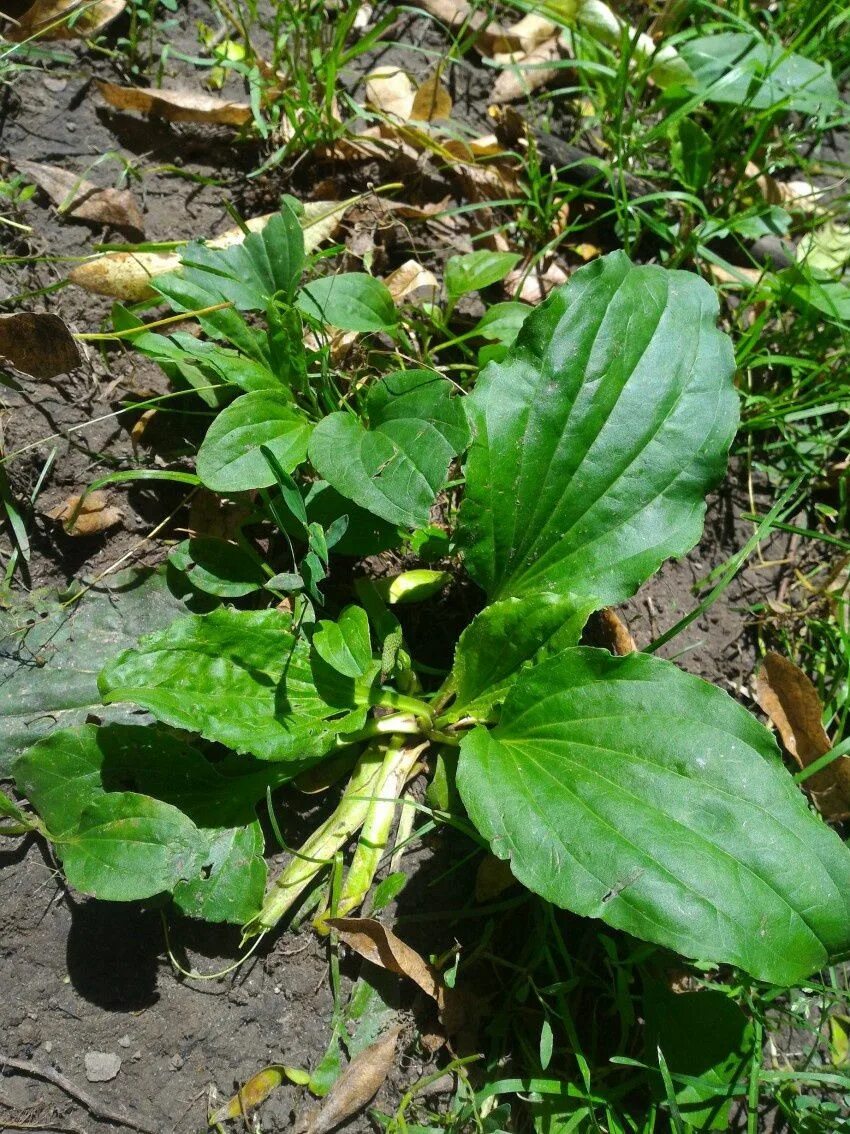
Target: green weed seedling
{"x": 620, "y": 788}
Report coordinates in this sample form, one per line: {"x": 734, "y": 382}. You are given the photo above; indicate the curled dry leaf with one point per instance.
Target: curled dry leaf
{"x": 431, "y": 101}
{"x": 530, "y": 32}
{"x": 791, "y": 702}
{"x": 75, "y": 197}
{"x": 614, "y": 633}
{"x": 489, "y": 36}
{"x": 527, "y": 72}
{"x": 86, "y": 515}
{"x": 38, "y": 344}
{"x": 176, "y": 106}
{"x": 413, "y": 283}
{"x": 356, "y": 1086}
{"x": 63, "y": 19}
{"x": 256, "y": 1091}
{"x": 390, "y": 91}
{"x": 128, "y": 275}
{"x": 380, "y": 945}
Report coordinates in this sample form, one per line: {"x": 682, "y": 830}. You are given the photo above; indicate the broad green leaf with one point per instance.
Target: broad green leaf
{"x": 52, "y": 652}
{"x": 234, "y": 886}
{"x": 265, "y": 265}
{"x": 476, "y": 270}
{"x": 66, "y": 771}
{"x": 351, "y": 301}
{"x": 500, "y": 640}
{"x": 735, "y": 67}
{"x": 625, "y": 789}
{"x": 128, "y": 847}
{"x": 345, "y": 645}
{"x": 702, "y": 1035}
{"x": 597, "y": 437}
{"x": 229, "y": 459}
{"x": 218, "y": 567}
{"x": 201, "y": 363}
{"x": 239, "y": 677}
{"x": 396, "y": 464}
{"x": 502, "y": 322}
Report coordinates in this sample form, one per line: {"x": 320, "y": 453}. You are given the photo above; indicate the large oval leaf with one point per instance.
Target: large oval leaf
{"x": 395, "y": 467}
{"x": 230, "y": 460}
{"x": 597, "y": 437}
{"x": 625, "y": 789}
{"x": 239, "y": 677}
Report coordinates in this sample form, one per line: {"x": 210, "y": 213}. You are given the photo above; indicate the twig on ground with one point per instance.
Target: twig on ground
{"x": 95, "y": 1109}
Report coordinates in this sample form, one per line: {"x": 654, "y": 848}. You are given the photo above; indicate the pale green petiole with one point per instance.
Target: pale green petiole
{"x": 366, "y": 783}
{"x": 398, "y": 764}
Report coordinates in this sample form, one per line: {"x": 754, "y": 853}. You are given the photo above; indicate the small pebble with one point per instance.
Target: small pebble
{"x": 101, "y": 1066}
{"x": 175, "y": 1063}
{"x": 124, "y": 1041}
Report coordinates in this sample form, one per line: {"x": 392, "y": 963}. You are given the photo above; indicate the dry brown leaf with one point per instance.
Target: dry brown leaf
{"x": 52, "y": 19}
{"x": 791, "y": 702}
{"x": 413, "y": 283}
{"x": 527, "y": 72}
{"x": 492, "y": 878}
{"x": 431, "y": 101}
{"x": 212, "y": 515}
{"x": 494, "y": 180}
{"x": 490, "y": 36}
{"x": 128, "y": 275}
{"x": 614, "y": 633}
{"x": 38, "y": 344}
{"x": 86, "y": 515}
{"x": 356, "y": 1086}
{"x": 81, "y": 199}
{"x": 390, "y": 91}
{"x": 124, "y": 275}
{"x": 380, "y": 945}
{"x": 530, "y": 32}
{"x": 176, "y": 106}
{"x": 535, "y": 286}
{"x": 471, "y": 149}
{"x": 744, "y": 277}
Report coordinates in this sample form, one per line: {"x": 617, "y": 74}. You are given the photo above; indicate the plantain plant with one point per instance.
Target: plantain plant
{"x": 621, "y": 788}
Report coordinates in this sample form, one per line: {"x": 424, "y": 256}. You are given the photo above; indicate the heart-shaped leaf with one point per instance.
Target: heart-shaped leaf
{"x": 395, "y": 467}
{"x": 230, "y": 460}
{"x": 598, "y": 435}
{"x": 128, "y": 847}
{"x": 346, "y": 645}
{"x": 625, "y": 789}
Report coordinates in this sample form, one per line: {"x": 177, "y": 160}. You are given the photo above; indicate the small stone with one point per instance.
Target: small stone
{"x": 124, "y": 1041}
{"x": 175, "y": 1063}
{"x": 48, "y": 1046}
{"x": 101, "y": 1066}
